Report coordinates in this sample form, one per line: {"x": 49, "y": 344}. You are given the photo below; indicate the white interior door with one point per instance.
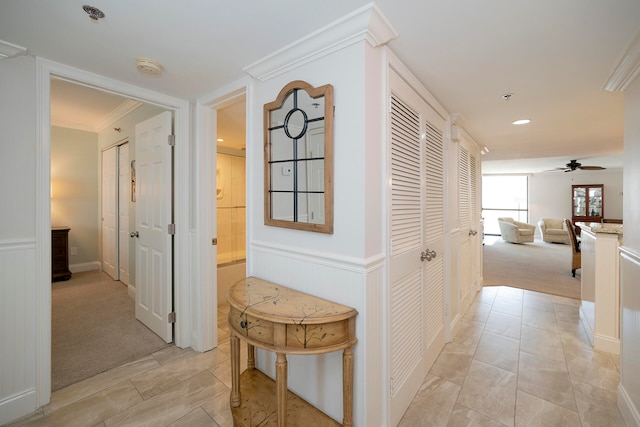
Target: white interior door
{"x": 110, "y": 212}
{"x": 124, "y": 196}
{"x": 416, "y": 229}
{"x": 153, "y": 216}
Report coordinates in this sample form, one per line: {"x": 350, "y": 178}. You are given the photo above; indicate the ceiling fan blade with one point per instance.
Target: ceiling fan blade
{"x": 591, "y": 168}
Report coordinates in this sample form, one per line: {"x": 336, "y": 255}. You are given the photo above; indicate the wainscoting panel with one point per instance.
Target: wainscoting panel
{"x": 629, "y": 387}
{"x": 17, "y": 326}
{"x": 352, "y": 282}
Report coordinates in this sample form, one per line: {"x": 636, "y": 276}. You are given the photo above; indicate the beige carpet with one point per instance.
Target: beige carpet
{"x": 539, "y": 266}
{"x": 93, "y": 328}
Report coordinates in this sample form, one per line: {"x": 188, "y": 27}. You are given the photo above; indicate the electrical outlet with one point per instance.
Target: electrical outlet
{"x": 73, "y": 250}
{"x": 286, "y": 170}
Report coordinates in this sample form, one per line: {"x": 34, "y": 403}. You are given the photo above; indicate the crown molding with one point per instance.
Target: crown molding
{"x": 366, "y": 23}
{"x": 9, "y": 50}
{"x": 627, "y": 69}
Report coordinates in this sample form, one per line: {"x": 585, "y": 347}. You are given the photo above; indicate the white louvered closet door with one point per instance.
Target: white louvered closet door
{"x": 416, "y": 215}
{"x": 464, "y": 207}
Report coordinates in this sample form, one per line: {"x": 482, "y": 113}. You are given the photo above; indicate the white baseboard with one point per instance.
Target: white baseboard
{"x": 131, "y": 291}
{"x": 85, "y": 266}
{"x": 627, "y": 409}
{"x": 18, "y": 406}
{"x": 605, "y": 343}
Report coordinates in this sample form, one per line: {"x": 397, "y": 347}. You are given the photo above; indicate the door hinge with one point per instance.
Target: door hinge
{"x": 172, "y": 140}
{"x": 214, "y": 241}
{"x": 171, "y": 229}
{"x": 171, "y": 318}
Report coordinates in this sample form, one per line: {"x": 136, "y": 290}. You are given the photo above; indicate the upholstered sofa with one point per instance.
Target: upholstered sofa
{"x": 515, "y": 231}
{"x": 553, "y": 230}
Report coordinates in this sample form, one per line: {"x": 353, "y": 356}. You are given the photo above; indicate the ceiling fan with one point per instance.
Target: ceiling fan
{"x": 574, "y": 164}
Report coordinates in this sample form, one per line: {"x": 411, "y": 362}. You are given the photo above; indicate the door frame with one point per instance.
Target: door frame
{"x": 206, "y": 202}
{"x": 183, "y": 283}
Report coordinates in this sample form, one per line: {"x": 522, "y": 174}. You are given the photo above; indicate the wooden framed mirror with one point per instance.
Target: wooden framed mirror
{"x": 298, "y": 152}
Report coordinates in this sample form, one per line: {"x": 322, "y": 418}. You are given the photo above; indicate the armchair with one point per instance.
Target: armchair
{"x": 515, "y": 231}
{"x": 576, "y": 257}
{"x": 553, "y": 230}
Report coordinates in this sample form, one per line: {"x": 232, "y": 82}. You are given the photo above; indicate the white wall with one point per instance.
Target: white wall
{"x": 550, "y": 193}
{"x": 74, "y": 182}
{"x": 18, "y": 318}
{"x": 629, "y": 387}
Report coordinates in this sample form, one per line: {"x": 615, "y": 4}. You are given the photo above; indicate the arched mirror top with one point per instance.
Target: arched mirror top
{"x": 298, "y": 131}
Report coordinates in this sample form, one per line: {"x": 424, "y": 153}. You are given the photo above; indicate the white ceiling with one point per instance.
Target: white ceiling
{"x": 554, "y": 56}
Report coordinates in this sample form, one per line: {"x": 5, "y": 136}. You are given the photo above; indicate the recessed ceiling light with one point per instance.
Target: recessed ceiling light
{"x": 220, "y": 140}
{"x": 521, "y": 122}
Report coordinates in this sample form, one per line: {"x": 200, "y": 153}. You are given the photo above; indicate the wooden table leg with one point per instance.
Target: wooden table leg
{"x": 251, "y": 357}
{"x": 281, "y": 388}
{"x": 347, "y": 387}
{"x": 235, "y": 370}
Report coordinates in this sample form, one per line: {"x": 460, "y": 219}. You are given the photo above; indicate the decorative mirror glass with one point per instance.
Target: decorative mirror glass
{"x": 298, "y": 148}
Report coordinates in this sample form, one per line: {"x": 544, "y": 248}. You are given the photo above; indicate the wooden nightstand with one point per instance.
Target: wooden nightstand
{"x": 60, "y": 254}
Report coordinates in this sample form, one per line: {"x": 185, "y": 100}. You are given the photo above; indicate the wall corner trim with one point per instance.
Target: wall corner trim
{"x": 627, "y": 68}
{"x": 366, "y": 23}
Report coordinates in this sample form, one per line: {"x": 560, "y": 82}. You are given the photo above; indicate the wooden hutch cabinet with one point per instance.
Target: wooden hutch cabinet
{"x": 60, "y": 254}
{"x": 587, "y": 203}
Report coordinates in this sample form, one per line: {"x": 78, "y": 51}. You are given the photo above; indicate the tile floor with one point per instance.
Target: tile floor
{"x": 520, "y": 358}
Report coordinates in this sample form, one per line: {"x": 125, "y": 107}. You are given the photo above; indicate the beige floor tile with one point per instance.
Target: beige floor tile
{"x": 597, "y": 407}
{"x": 196, "y": 418}
{"x": 468, "y": 334}
{"x": 567, "y": 313}
{"x": 478, "y": 311}
{"x": 487, "y": 294}
{"x": 499, "y": 351}
{"x": 171, "y": 405}
{"x": 566, "y": 301}
{"x": 504, "y": 324}
{"x": 539, "y": 319}
{"x": 433, "y": 403}
{"x": 546, "y": 379}
{"x": 538, "y": 301}
{"x": 490, "y": 391}
{"x": 462, "y": 416}
{"x": 453, "y": 363}
{"x": 100, "y": 382}
{"x": 542, "y": 343}
{"x": 220, "y": 410}
{"x": 93, "y": 409}
{"x": 506, "y": 305}
{"x": 157, "y": 380}
{"x": 534, "y": 412}
{"x": 171, "y": 353}
{"x": 511, "y": 293}
{"x": 594, "y": 368}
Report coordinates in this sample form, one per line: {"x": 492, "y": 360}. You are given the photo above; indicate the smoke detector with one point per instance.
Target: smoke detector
{"x": 148, "y": 66}
{"x": 93, "y": 12}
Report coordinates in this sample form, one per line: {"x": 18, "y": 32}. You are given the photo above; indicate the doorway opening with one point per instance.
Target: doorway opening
{"x": 92, "y": 145}
{"x": 231, "y": 195}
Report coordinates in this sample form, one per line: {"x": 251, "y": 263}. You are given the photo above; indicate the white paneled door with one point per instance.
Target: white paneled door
{"x": 417, "y": 243}
{"x": 154, "y": 242}
{"x": 110, "y": 212}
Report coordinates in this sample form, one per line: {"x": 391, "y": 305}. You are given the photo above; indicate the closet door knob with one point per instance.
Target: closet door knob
{"x": 134, "y": 234}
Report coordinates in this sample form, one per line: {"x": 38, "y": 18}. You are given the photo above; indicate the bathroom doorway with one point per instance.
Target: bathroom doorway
{"x": 231, "y": 195}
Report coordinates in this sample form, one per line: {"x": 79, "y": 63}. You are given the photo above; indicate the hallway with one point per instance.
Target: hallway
{"x": 520, "y": 358}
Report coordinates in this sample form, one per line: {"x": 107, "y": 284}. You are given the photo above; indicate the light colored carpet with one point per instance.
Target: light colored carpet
{"x": 93, "y": 328}
{"x": 538, "y": 266}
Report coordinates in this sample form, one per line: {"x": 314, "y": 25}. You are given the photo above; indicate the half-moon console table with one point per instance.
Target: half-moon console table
{"x": 285, "y": 321}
